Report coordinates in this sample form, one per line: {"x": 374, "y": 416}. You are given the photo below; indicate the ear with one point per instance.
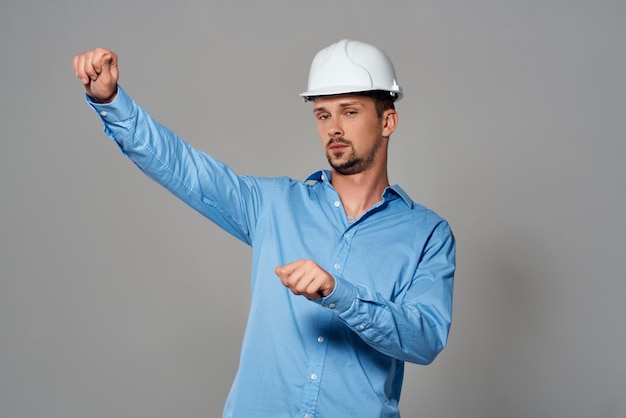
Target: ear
{"x": 390, "y": 121}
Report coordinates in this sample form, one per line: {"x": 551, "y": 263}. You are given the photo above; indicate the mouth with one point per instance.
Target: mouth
{"x": 338, "y": 145}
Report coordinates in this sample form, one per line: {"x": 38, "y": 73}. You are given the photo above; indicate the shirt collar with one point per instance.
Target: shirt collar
{"x": 390, "y": 193}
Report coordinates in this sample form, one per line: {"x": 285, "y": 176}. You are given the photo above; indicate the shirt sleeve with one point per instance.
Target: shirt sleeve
{"x": 416, "y": 328}
{"x": 205, "y": 184}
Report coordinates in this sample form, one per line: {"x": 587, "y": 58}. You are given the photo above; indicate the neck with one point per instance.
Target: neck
{"x": 359, "y": 192}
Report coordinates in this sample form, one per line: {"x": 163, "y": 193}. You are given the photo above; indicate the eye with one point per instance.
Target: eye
{"x": 323, "y": 116}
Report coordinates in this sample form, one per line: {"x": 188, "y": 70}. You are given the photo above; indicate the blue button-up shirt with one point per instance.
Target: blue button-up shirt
{"x": 339, "y": 356}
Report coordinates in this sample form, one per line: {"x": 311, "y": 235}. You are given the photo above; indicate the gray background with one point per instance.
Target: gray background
{"x": 116, "y": 300}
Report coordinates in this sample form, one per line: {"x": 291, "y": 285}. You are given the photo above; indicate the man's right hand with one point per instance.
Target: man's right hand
{"x": 97, "y": 70}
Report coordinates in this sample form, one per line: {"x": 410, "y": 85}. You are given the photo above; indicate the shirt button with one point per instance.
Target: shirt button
{"x": 361, "y": 327}
{"x": 320, "y": 339}
{"x": 337, "y": 204}
{"x": 307, "y": 415}
{"x": 103, "y": 113}
{"x": 337, "y": 266}
{"x": 332, "y": 305}
{"x": 346, "y": 235}
{"x": 313, "y": 376}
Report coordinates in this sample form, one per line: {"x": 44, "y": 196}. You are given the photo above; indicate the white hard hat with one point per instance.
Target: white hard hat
{"x": 351, "y": 67}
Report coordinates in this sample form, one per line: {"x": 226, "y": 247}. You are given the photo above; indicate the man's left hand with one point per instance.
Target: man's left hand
{"x": 306, "y": 278}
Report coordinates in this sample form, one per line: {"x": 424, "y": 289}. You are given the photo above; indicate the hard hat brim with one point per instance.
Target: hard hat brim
{"x": 337, "y": 90}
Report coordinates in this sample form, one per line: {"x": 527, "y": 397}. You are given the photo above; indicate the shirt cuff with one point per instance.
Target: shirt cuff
{"x": 342, "y": 296}
{"x": 119, "y": 110}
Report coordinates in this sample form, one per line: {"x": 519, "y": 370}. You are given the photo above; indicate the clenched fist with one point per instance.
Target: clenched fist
{"x": 97, "y": 69}
{"x": 306, "y": 278}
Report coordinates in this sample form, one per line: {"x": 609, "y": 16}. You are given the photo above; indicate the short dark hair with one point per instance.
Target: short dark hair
{"x": 383, "y": 100}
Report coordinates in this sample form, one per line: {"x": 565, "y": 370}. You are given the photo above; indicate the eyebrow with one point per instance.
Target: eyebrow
{"x": 341, "y": 105}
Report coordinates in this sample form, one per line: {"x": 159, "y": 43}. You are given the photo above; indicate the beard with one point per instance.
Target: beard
{"x": 352, "y": 163}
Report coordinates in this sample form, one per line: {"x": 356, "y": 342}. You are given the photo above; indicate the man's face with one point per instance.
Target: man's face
{"x": 353, "y": 135}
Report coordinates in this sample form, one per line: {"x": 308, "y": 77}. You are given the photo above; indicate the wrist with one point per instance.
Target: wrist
{"x": 104, "y": 100}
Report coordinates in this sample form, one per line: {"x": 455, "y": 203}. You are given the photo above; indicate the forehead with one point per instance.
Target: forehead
{"x": 343, "y": 100}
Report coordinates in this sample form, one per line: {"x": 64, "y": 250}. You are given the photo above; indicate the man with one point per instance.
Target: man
{"x": 351, "y": 278}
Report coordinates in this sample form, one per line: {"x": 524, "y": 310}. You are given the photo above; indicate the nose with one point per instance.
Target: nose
{"x": 335, "y": 131}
